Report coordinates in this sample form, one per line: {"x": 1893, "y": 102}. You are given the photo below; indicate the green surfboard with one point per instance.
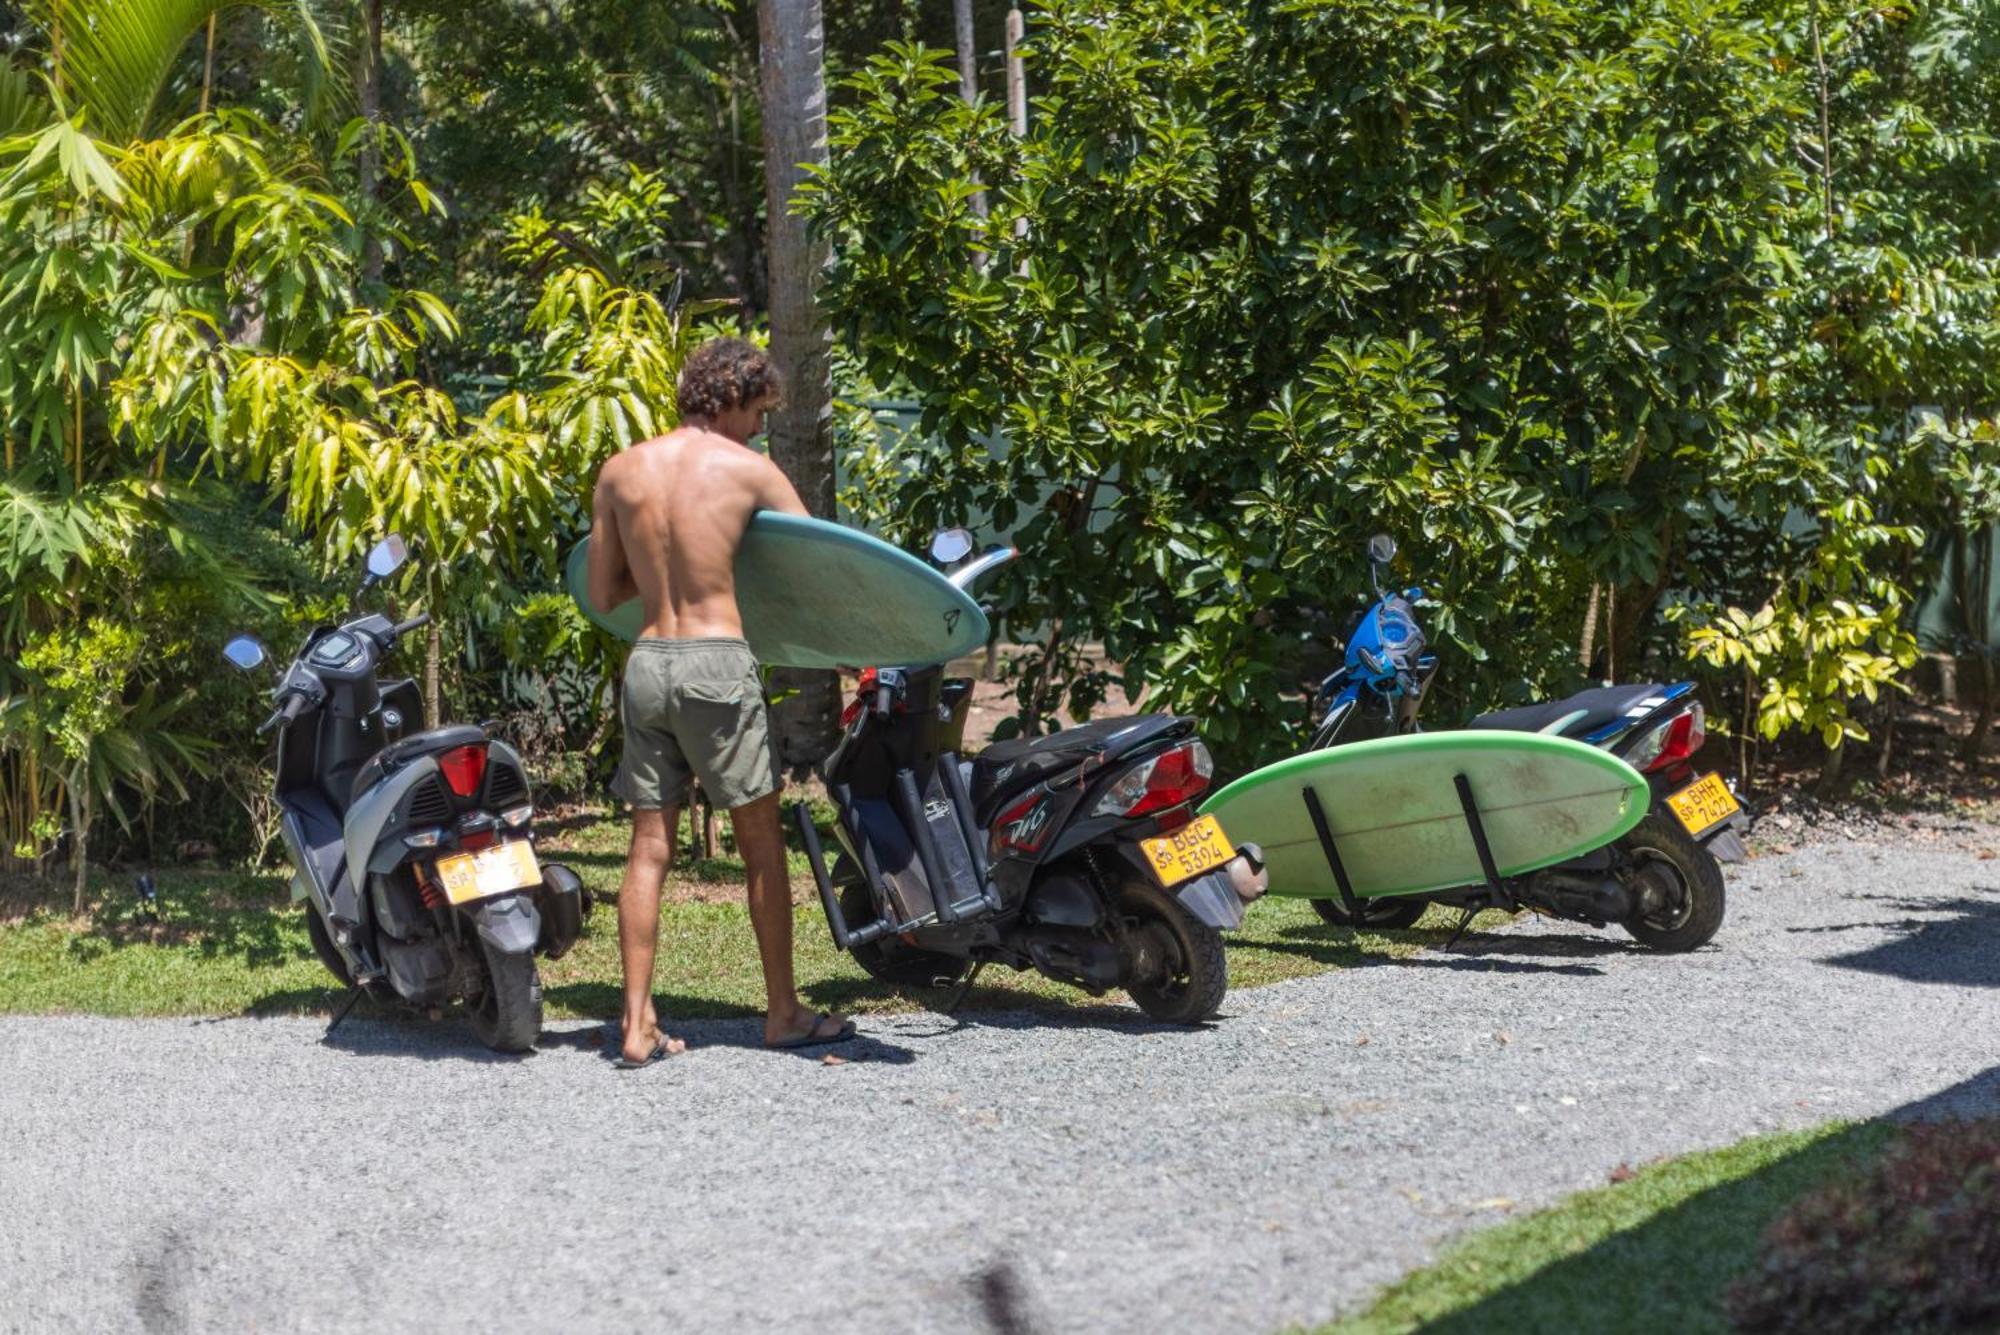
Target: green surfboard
{"x": 818, "y": 595}
{"x": 1393, "y": 810}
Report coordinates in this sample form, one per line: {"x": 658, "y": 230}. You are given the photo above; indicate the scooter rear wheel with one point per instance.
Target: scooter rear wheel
{"x": 1691, "y": 879}
{"x": 1181, "y": 972}
{"x": 507, "y": 1016}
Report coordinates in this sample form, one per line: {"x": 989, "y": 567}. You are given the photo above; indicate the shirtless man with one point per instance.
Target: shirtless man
{"x": 666, "y": 521}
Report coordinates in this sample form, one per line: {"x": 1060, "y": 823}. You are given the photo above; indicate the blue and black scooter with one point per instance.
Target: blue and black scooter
{"x": 1661, "y": 880}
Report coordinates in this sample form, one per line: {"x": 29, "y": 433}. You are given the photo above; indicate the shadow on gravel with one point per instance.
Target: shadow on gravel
{"x": 449, "y": 1039}
{"x": 1671, "y": 1271}
{"x": 1962, "y": 950}
{"x": 1477, "y": 952}
{"x": 984, "y": 1005}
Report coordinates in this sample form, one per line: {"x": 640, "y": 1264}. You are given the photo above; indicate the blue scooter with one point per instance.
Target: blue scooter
{"x": 1661, "y": 881}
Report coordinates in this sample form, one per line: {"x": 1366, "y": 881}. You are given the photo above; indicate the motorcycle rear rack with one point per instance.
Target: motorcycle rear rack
{"x": 1351, "y": 902}
{"x": 911, "y": 808}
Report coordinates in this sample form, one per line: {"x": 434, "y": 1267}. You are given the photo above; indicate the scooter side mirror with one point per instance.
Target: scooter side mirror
{"x": 1381, "y": 549}
{"x": 951, "y": 546}
{"x": 245, "y": 652}
{"x": 386, "y": 557}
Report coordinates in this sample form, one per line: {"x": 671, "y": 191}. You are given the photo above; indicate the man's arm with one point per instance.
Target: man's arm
{"x": 776, "y": 492}
{"x": 608, "y": 575}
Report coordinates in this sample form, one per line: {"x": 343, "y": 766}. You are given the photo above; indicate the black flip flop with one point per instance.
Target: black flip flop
{"x": 660, "y": 1050}
{"x": 812, "y": 1038}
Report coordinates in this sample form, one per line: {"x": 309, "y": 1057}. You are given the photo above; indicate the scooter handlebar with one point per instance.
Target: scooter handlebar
{"x": 417, "y": 622}
{"x": 288, "y": 709}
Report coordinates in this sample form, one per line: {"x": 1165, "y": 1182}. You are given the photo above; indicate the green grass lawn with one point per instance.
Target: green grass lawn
{"x": 1655, "y": 1253}
{"x": 232, "y": 943}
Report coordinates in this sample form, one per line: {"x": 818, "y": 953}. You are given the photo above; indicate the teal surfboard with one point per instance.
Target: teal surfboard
{"x": 818, "y": 595}
{"x": 1393, "y": 809}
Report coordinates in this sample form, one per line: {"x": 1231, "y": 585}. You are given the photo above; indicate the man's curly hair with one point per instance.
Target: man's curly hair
{"x": 726, "y": 373}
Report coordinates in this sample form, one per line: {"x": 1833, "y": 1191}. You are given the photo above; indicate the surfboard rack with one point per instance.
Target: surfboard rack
{"x": 1474, "y": 826}
{"x": 949, "y": 853}
{"x": 844, "y": 937}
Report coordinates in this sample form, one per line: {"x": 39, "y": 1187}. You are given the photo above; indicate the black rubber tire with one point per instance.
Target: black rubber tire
{"x": 1389, "y": 914}
{"x": 1658, "y": 845}
{"x": 888, "y": 959}
{"x": 1198, "y": 968}
{"x": 507, "y": 1016}
{"x": 322, "y": 944}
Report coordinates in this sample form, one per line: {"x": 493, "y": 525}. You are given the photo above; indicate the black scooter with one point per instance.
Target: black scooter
{"x": 412, "y": 850}
{"x": 1077, "y": 854}
{"x": 1661, "y": 880}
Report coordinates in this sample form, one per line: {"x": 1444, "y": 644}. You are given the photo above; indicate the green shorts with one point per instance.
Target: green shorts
{"x": 694, "y": 709}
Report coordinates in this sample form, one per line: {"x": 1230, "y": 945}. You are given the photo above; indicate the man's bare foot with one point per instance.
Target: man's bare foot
{"x": 806, "y": 1027}
{"x": 654, "y": 1045}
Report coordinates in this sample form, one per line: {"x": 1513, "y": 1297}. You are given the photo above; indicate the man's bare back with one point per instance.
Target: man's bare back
{"x": 668, "y": 516}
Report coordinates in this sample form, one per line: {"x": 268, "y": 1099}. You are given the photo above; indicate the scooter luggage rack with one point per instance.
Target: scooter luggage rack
{"x": 1473, "y": 824}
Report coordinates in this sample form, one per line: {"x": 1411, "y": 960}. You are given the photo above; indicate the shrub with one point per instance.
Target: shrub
{"x": 1912, "y": 1245}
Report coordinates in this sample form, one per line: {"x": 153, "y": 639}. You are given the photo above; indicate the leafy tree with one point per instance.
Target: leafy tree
{"x": 1557, "y": 292}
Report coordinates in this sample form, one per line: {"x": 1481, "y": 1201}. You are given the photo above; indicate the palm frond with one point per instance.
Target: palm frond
{"x": 23, "y": 105}
{"x": 116, "y": 55}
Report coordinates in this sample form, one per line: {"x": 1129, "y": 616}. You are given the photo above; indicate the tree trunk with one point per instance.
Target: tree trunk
{"x": 433, "y": 673}
{"x": 1975, "y": 603}
{"x": 369, "y": 165}
{"x": 968, "y": 56}
{"x": 968, "y": 71}
{"x": 792, "y": 68}
{"x": 1587, "y": 650}
{"x": 79, "y": 838}
{"x": 1830, "y": 770}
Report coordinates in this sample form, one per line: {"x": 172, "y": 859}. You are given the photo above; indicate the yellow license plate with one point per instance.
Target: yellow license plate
{"x": 491, "y": 871}
{"x": 1198, "y": 846}
{"x": 1703, "y": 804}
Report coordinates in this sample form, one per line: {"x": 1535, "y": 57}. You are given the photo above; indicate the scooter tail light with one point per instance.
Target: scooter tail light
{"x": 1163, "y": 781}
{"x": 1672, "y": 743}
{"x": 464, "y": 768}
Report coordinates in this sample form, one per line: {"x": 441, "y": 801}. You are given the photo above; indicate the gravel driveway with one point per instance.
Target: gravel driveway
{"x": 1016, "y": 1172}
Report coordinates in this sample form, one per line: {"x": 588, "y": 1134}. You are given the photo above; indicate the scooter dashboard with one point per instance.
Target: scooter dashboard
{"x": 335, "y": 651}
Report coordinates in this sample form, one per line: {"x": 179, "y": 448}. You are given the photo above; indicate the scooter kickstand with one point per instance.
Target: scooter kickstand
{"x": 353, "y": 995}
{"x": 1459, "y": 931}
{"x": 964, "y": 989}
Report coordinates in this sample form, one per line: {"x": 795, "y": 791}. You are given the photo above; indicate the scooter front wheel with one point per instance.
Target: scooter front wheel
{"x": 1179, "y": 972}
{"x": 1391, "y": 913}
{"x": 322, "y": 944}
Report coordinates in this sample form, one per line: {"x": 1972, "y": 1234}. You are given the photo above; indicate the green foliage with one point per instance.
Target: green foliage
{"x": 115, "y": 58}
{"x": 1553, "y": 292}
{"x": 1911, "y": 1244}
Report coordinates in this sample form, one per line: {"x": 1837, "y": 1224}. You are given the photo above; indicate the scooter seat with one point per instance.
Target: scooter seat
{"x": 1600, "y": 708}
{"x": 400, "y": 753}
{"x": 1006, "y": 769}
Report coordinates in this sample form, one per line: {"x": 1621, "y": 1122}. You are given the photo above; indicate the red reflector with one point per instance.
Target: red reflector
{"x": 1684, "y": 737}
{"x": 1177, "y": 776}
{"x": 464, "y": 767}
